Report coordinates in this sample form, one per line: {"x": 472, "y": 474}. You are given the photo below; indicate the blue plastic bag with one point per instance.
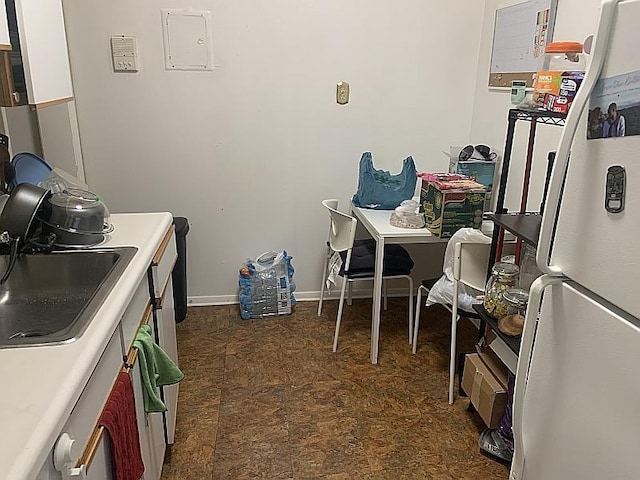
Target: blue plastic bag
{"x": 379, "y": 190}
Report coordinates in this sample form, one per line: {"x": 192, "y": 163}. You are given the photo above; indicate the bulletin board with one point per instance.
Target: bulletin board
{"x": 520, "y": 35}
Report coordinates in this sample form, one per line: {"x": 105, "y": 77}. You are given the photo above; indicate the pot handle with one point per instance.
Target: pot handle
{"x": 15, "y": 243}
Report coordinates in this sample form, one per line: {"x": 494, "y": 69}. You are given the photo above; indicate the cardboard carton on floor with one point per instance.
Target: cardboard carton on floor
{"x": 485, "y": 391}
{"x": 499, "y": 370}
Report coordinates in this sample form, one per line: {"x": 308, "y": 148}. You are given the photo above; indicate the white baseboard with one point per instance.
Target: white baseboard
{"x": 206, "y": 300}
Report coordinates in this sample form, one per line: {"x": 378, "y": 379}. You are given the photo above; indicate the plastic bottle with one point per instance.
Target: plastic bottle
{"x": 559, "y": 76}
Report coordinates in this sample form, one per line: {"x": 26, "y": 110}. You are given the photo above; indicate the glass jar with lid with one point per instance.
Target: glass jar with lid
{"x": 503, "y": 277}
{"x": 513, "y": 322}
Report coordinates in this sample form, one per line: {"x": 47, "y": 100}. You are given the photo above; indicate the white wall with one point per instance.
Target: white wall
{"x": 248, "y": 151}
{"x": 59, "y": 136}
{"x": 575, "y": 20}
{"x": 21, "y": 125}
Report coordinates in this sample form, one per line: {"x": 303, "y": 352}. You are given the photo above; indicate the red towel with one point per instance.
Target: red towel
{"x": 119, "y": 418}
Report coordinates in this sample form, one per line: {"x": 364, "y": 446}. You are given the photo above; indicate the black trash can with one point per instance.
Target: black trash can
{"x": 179, "y": 274}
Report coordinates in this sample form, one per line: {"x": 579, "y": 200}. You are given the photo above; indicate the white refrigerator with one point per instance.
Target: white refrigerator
{"x": 576, "y": 411}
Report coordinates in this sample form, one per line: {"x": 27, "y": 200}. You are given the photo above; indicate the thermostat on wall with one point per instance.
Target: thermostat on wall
{"x": 124, "y": 51}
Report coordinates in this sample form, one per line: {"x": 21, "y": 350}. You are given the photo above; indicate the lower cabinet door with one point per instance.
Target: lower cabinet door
{"x": 101, "y": 466}
{"x": 166, "y": 320}
{"x": 150, "y": 429}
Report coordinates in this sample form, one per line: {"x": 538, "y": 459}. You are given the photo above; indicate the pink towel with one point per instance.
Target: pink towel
{"x": 119, "y": 419}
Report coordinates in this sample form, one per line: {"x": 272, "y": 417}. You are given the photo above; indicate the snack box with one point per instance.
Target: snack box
{"x": 452, "y": 205}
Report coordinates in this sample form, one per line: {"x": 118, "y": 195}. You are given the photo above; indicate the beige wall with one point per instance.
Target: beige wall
{"x": 247, "y": 151}
{"x": 575, "y": 20}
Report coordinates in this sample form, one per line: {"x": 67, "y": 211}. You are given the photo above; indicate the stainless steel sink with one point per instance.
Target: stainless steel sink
{"x": 52, "y": 298}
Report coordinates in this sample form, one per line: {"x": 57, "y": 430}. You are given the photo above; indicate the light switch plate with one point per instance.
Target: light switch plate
{"x": 124, "y": 53}
{"x": 342, "y": 93}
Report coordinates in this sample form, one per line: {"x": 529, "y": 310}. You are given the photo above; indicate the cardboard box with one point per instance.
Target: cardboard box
{"x": 478, "y": 170}
{"x": 482, "y": 171}
{"x": 493, "y": 362}
{"x": 486, "y": 393}
{"x": 447, "y": 210}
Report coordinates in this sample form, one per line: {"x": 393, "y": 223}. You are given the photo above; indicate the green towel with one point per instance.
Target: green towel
{"x": 156, "y": 369}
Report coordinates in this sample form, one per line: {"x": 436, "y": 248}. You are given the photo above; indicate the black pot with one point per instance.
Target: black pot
{"x": 69, "y": 239}
{"x": 78, "y": 218}
{"x": 17, "y": 219}
{"x": 20, "y": 211}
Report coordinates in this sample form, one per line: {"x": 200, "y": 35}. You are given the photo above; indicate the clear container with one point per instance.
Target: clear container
{"x": 503, "y": 277}
{"x": 529, "y": 270}
{"x": 516, "y": 299}
{"x": 512, "y": 323}
{"x": 559, "y": 76}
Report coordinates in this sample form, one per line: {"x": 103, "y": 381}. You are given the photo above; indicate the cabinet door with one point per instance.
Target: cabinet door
{"x": 166, "y": 323}
{"x": 144, "y": 426}
{"x": 82, "y": 423}
{"x": 43, "y": 44}
{"x": 101, "y": 466}
{"x": 162, "y": 287}
{"x": 150, "y": 428}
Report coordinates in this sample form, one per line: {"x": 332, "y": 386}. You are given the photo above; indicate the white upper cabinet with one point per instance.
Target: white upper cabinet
{"x": 4, "y": 27}
{"x": 44, "y": 50}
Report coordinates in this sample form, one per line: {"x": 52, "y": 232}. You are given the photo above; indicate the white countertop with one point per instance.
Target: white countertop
{"x": 40, "y": 385}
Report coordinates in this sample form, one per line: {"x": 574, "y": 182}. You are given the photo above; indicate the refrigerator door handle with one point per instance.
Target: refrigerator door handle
{"x": 522, "y": 370}
{"x": 559, "y": 171}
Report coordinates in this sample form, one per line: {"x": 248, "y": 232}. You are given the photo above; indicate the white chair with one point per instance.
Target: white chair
{"x": 361, "y": 264}
{"x": 469, "y": 268}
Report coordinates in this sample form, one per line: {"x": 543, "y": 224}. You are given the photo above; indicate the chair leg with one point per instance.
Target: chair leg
{"x": 350, "y": 294}
{"x": 454, "y": 331}
{"x": 410, "y": 309}
{"x": 416, "y": 324}
{"x": 339, "y": 318}
{"x": 324, "y": 281}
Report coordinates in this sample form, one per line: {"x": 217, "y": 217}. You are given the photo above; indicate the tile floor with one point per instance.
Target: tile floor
{"x": 268, "y": 399}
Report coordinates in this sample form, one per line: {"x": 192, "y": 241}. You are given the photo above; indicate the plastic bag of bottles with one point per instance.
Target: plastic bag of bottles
{"x": 266, "y": 286}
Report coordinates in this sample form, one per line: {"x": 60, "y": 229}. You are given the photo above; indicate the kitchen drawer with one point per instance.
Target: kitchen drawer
{"x": 163, "y": 262}
{"x": 138, "y": 309}
{"x": 84, "y": 417}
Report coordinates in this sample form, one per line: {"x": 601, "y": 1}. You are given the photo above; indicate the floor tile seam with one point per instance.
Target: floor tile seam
{"x": 217, "y": 444}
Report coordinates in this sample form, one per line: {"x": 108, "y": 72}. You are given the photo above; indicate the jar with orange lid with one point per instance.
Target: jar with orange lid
{"x": 559, "y": 76}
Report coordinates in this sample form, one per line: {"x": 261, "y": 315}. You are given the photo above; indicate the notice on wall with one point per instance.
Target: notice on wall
{"x": 614, "y": 107}
{"x": 520, "y": 35}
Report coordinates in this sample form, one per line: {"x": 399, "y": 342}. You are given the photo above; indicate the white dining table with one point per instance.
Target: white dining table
{"x": 377, "y": 224}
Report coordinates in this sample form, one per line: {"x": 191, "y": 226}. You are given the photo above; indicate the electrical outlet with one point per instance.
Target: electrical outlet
{"x": 342, "y": 93}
